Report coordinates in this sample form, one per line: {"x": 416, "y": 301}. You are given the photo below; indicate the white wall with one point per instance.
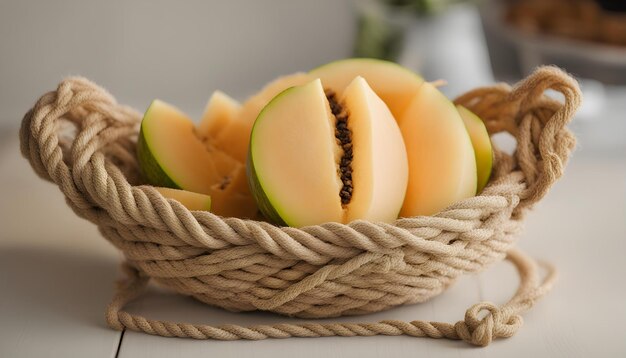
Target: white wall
{"x": 179, "y": 51}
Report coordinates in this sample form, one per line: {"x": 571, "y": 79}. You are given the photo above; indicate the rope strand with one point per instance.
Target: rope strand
{"x": 499, "y": 321}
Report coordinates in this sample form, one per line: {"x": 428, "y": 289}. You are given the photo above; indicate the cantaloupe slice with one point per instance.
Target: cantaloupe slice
{"x": 299, "y": 170}
{"x": 192, "y": 201}
{"x": 233, "y": 197}
{"x": 219, "y": 113}
{"x": 394, "y": 84}
{"x": 380, "y": 167}
{"x": 169, "y": 152}
{"x": 172, "y": 155}
{"x": 235, "y": 138}
{"x": 481, "y": 142}
{"x": 292, "y": 164}
{"x": 442, "y": 167}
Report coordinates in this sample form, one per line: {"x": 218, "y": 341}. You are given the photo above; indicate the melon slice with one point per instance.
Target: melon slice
{"x": 394, "y": 84}
{"x": 220, "y": 112}
{"x": 380, "y": 166}
{"x": 169, "y": 152}
{"x": 235, "y": 138}
{"x": 342, "y": 159}
{"x": 442, "y": 167}
{"x": 481, "y": 142}
{"x": 172, "y": 155}
{"x": 232, "y": 195}
{"x": 192, "y": 201}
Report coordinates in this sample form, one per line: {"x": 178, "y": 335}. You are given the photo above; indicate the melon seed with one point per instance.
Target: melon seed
{"x": 344, "y": 139}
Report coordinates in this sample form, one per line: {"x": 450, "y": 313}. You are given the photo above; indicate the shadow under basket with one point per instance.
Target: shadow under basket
{"x": 79, "y": 138}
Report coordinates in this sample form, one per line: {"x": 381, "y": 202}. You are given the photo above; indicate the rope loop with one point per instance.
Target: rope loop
{"x": 537, "y": 122}
{"x": 498, "y": 321}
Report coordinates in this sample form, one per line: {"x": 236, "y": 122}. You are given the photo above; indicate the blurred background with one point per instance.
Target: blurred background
{"x": 182, "y": 51}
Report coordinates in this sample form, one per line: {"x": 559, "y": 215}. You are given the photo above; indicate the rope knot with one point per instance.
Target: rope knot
{"x": 497, "y": 323}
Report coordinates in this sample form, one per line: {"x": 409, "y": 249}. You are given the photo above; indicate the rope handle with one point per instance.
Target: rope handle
{"x": 105, "y": 127}
{"x": 498, "y": 321}
{"x": 536, "y": 121}
{"x": 101, "y": 126}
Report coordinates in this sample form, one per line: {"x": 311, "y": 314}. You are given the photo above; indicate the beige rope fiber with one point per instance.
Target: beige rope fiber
{"x": 79, "y": 138}
{"x": 501, "y": 321}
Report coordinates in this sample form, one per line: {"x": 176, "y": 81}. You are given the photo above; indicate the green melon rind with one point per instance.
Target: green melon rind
{"x": 263, "y": 202}
{"x": 483, "y": 179}
{"x": 152, "y": 171}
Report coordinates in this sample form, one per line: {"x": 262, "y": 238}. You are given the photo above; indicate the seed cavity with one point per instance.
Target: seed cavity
{"x": 344, "y": 138}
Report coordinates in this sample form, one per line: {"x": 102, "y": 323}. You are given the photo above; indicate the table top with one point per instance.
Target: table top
{"x": 57, "y": 275}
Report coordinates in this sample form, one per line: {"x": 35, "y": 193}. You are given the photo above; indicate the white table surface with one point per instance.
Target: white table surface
{"x": 57, "y": 275}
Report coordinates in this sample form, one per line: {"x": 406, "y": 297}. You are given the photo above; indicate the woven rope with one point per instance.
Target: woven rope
{"x": 79, "y": 138}
{"x": 501, "y": 321}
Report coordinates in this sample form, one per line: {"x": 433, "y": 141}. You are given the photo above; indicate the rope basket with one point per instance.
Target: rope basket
{"x": 79, "y": 138}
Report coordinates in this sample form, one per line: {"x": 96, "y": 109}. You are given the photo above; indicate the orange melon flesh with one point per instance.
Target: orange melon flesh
{"x": 239, "y": 181}
{"x": 232, "y": 200}
{"x": 235, "y": 205}
{"x": 380, "y": 167}
{"x": 235, "y": 138}
{"x": 294, "y": 161}
{"x": 231, "y": 196}
{"x": 394, "y": 84}
{"x": 253, "y": 106}
{"x": 224, "y": 164}
{"x": 171, "y": 154}
{"x": 293, "y": 158}
{"x": 442, "y": 167}
{"x": 192, "y": 201}
{"x": 219, "y": 113}
{"x": 481, "y": 142}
